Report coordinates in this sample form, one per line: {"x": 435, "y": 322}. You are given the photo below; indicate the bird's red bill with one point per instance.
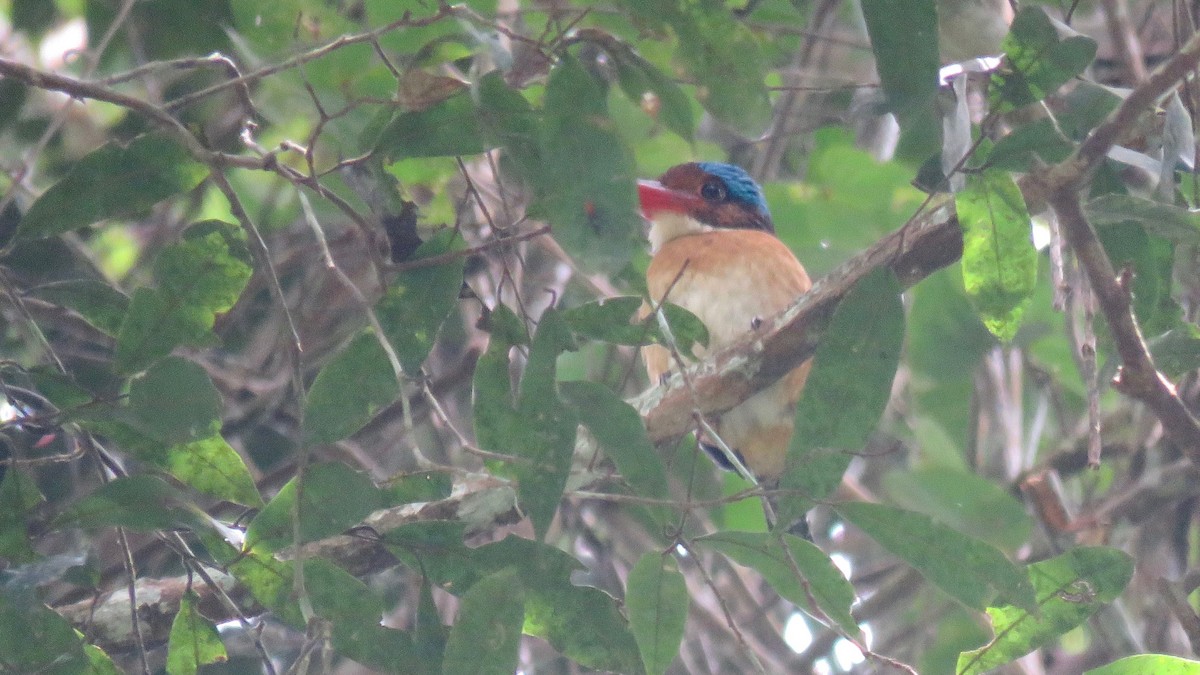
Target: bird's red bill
{"x": 656, "y": 198}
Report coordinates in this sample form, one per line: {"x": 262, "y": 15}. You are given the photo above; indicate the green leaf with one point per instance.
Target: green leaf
{"x": 999, "y": 261}
{"x": 1177, "y": 351}
{"x": 114, "y": 181}
{"x": 447, "y": 129}
{"x": 762, "y": 551}
{"x": 620, "y": 432}
{"x": 1069, "y": 589}
{"x": 194, "y": 640}
{"x": 100, "y": 304}
{"x": 612, "y": 320}
{"x": 423, "y": 486}
{"x": 335, "y": 498}
{"x": 580, "y": 621}
{"x": 639, "y": 78}
{"x": 270, "y": 582}
{"x": 968, "y": 570}
{"x": 1037, "y": 61}
{"x": 1176, "y": 224}
{"x": 487, "y": 634}
{"x": 586, "y": 187}
{"x": 143, "y": 503}
{"x": 1147, "y": 664}
{"x": 199, "y": 277}
{"x": 429, "y": 635}
{"x": 272, "y": 27}
{"x": 904, "y": 39}
{"x": 210, "y": 465}
{"x": 349, "y": 391}
{"x": 18, "y": 494}
{"x": 509, "y": 121}
{"x": 1039, "y": 141}
{"x": 419, "y": 300}
{"x": 846, "y": 393}
{"x": 548, "y": 427}
{"x": 175, "y": 402}
{"x": 36, "y": 639}
{"x": 1152, "y": 260}
{"x": 963, "y": 500}
{"x": 656, "y": 598}
{"x": 727, "y": 62}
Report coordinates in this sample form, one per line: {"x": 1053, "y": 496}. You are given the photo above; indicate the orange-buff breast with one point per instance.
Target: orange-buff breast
{"x": 730, "y": 278}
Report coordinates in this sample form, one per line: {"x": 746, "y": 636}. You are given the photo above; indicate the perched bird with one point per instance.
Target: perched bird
{"x": 715, "y": 254}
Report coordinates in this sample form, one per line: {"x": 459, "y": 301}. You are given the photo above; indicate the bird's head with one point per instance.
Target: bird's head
{"x": 702, "y": 196}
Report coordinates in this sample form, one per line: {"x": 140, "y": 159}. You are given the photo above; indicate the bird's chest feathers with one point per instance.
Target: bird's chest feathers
{"x": 728, "y": 279}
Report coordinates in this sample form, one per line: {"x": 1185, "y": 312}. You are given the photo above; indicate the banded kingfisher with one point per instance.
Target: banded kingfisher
{"x": 715, "y": 254}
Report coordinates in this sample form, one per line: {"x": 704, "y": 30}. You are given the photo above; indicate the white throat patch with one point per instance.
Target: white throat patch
{"x": 667, "y": 226}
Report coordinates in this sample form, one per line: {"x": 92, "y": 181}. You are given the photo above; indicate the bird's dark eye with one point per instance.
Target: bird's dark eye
{"x": 713, "y": 191}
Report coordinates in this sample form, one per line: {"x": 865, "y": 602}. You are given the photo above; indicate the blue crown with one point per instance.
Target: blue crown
{"x": 742, "y": 187}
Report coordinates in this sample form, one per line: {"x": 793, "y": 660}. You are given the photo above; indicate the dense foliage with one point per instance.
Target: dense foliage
{"x": 321, "y": 322}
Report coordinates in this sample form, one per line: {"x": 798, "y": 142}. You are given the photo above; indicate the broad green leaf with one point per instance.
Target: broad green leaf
{"x": 411, "y": 541}
{"x": 36, "y": 639}
{"x": 199, "y": 277}
{"x": 509, "y": 121}
{"x": 210, "y": 465}
{"x": 1039, "y": 141}
{"x": 1069, "y": 589}
{"x": 175, "y": 402}
{"x": 494, "y": 413}
{"x": 547, "y": 440}
{"x": 904, "y": 39}
{"x": 270, "y": 582}
{"x": 1177, "y": 351}
{"x": 963, "y": 500}
{"x": 620, "y": 431}
{"x": 586, "y": 187}
{"x": 194, "y": 640}
{"x": 347, "y": 603}
{"x": 968, "y": 570}
{"x": 423, "y": 486}
{"x": 272, "y": 28}
{"x": 1152, "y": 260}
{"x": 143, "y": 503}
{"x": 335, "y": 498}
{"x": 487, "y": 633}
{"x": 114, "y": 181}
{"x": 656, "y": 599}
{"x": 1149, "y": 664}
{"x": 762, "y": 552}
{"x": 539, "y": 431}
{"x": 726, "y": 59}
{"x": 349, "y": 391}
{"x": 60, "y": 389}
{"x": 612, "y": 320}
{"x": 447, "y": 129}
{"x": 1171, "y": 222}
{"x": 101, "y": 304}
{"x": 429, "y": 635}
{"x": 999, "y": 261}
{"x": 1037, "y": 60}
{"x": 18, "y": 494}
{"x": 419, "y": 300}
{"x": 580, "y": 621}
{"x": 846, "y": 393}
{"x": 99, "y": 662}
{"x": 640, "y": 79}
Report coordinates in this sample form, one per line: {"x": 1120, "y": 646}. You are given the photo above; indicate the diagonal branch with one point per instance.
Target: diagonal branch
{"x": 1061, "y": 184}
